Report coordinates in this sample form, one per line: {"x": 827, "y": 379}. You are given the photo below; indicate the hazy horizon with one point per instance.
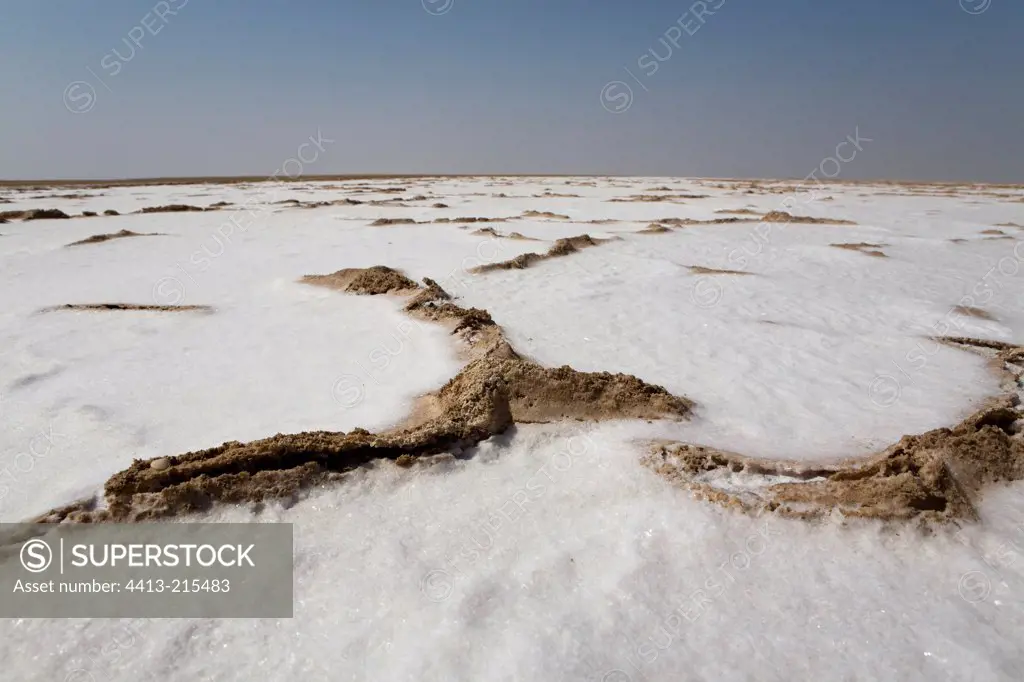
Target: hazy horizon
{"x": 722, "y": 88}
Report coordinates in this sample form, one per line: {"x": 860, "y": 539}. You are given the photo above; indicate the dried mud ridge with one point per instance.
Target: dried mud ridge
{"x": 561, "y": 248}
{"x": 491, "y": 232}
{"x": 127, "y": 306}
{"x": 100, "y": 238}
{"x": 933, "y": 477}
{"x": 497, "y": 388}
{"x": 866, "y": 248}
{"x": 701, "y": 270}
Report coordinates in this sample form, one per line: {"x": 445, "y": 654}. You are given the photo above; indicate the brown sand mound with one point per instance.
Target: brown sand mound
{"x": 701, "y": 270}
{"x": 127, "y": 306}
{"x": 470, "y": 220}
{"x": 932, "y": 477}
{"x": 654, "y": 228}
{"x": 371, "y": 281}
{"x": 111, "y": 212}
{"x": 439, "y": 205}
{"x": 865, "y": 248}
{"x": 382, "y": 222}
{"x": 97, "y": 238}
{"x": 971, "y": 311}
{"x": 491, "y": 232}
{"x": 88, "y": 214}
{"x": 496, "y": 389}
{"x": 544, "y": 214}
{"x": 35, "y": 214}
{"x": 171, "y": 208}
{"x": 682, "y": 222}
{"x": 999, "y": 232}
{"x": 1009, "y": 225}
{"x": 649, "y": 198}
{"x": 219, "y": 204}
{"x": 562, "y": 247}
{"x": 738, "y": 211}
{"x": 783, "y": 217}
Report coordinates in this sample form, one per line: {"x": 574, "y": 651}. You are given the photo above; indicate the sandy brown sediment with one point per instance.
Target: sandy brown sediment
{"x": 110, "y": 212}
{"x": 738, "y": 211}
{"x": 496, "y": 389}
{"x": 439, "y": 205}
{"x": 561, "y": 248}
{"x": 936, "y": 476}
{"x": 171, "y": 208}
{"x": 784, "y": 217}
{"x": 35, "y": 214}
{"x": 864, "y": 247}
{"x": 701, "y": 270}
{"x": 652, "y": 198}
{"x": 98, "y": 238}
{"x": 378, "y": 279}
{"x": 1010, "y": 225}
{"x": 383, "y": 222}
{"x": 127, "y": 306}
{"x": 544, "y": 214}
{"x": 683, "y": 222}
{"x": 998, "y": 232}
{"x": 971, "y": 311}
{"x": 470, "y": 220}
{"x": 491, "y": 232}
{"x": 654, "y": 228}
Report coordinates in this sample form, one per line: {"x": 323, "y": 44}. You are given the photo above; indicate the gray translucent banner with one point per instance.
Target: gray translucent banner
{"x": 146, "y": 570}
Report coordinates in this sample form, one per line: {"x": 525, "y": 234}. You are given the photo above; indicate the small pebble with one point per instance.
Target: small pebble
{"x": 160, "y": 464}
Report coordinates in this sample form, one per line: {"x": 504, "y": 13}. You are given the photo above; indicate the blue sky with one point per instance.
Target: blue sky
{"x": 762, "y": 89}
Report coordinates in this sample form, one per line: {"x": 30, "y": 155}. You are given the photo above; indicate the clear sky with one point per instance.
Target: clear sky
{"x": 756, "y": 88}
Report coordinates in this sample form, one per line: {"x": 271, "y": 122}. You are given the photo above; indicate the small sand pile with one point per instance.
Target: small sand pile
{"x": 654, "y": 228}
{"x": 738, "y": 211}
{"x": 971, "y": 311}
{"x": 783, "y": 217}
{"x": 35, "y": 214}
{"x": 439, "y": 205}
{"x": 701, "y": 270}
{"x": 383, "y": 222}
{"x": 127, "y": 306}
{"x": 864, "y": 247}
{"x": 98, "y": 238}
{"x": 682, "y": 222}
{"x": 562, "y": 247}
{"x": 170, "y": 208}
{"x": 932, "y": 477}
{"x": 371, "y": 281}
{"x": 111, "y": 212}
{"x": 648, "y": 198}
{"x": 491, "y": 232}
{"x": 470, "y": 220}
{"x": 496, "y": 389}
{"x": 544, "y": 214}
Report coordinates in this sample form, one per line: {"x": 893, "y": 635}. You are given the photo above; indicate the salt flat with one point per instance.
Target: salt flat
{"x": 549, "y": 550}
